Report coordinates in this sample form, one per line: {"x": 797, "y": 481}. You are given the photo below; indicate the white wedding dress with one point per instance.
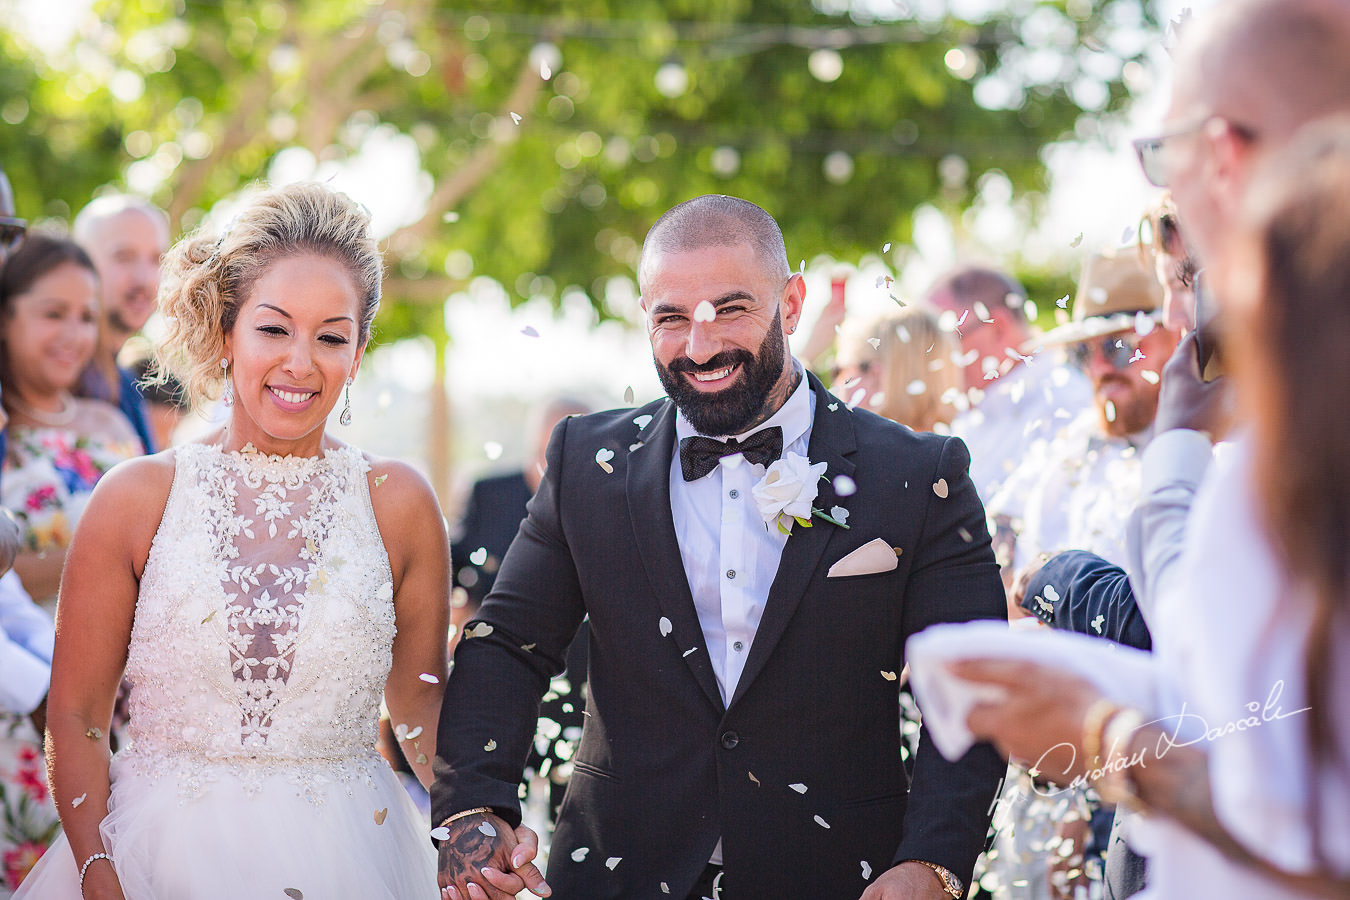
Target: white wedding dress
{"x": 262, "y": 640}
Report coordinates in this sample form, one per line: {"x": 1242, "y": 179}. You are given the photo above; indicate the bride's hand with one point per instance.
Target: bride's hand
{"x": 100, "y": 883}
{"x": 483, "y": 859}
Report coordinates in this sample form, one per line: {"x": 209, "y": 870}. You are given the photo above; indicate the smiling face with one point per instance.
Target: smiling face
{"x": 724, "y": 364}
{"x": 291, "y": 351}
{"x": 50, "y": 332}
{"x": 127, "y": 249}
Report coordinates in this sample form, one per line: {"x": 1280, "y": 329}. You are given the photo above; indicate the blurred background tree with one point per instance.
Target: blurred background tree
{"x": 536, "y": 140}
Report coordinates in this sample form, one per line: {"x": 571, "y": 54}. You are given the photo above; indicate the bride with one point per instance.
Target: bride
{"x": 261, "y": 591}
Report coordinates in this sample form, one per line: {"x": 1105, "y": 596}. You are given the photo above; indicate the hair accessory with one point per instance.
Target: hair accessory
{"x": 346, "y": 417}
{"x": 228, "y": 397}
{"x": 87, "y": 863}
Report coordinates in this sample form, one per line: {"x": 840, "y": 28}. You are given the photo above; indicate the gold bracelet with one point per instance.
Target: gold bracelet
{"x": 477, "y": 810}
{"x": 1114, "y": 782}
{"x": 1098, "y": 715}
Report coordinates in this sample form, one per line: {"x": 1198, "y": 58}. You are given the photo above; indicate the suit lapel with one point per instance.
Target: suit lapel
{"x": 832, "y": 442}
{"x": 648, "y": 489}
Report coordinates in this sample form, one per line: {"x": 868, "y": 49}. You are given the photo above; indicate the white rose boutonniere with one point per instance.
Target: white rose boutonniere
{"x": 785, "y": 494}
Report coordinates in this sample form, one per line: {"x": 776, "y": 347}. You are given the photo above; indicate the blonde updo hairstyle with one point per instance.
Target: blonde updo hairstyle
{"x": 207, "y": 277}
{"x": 919, "y": 372}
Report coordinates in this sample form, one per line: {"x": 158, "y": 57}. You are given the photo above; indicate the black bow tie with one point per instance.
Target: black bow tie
{"x": 699, "y": 454}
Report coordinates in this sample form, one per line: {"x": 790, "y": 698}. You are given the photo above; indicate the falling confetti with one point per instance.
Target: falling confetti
{"x": 209, "y": 616}
{"x": 429, "y": 678}
{"x": 602, "y": 458}
{"x": 798, "y": 787}
{"x": 839, "y": 513}
{"x": 834, "y": 407}
{"x": 529, "y": 331}
{"x": 380, "y": 815}
{"x": 866, "y": 870}
{"x": 628, "y": 395}
{"x": 887, "y": 248}
{"x": 875, "y": 342}
{"x": 528, "y": 648}
{"x": 440, "y": 834}
{"x": 401, "y": 731}
{"x": 414, "y": 734}
{"x": 752, "y": 777}
{"x": 490, "y": 746}
{"x": 515, "y": 118}
{"x": 294, "y": 893}
{"x": 421, "y": 759}
{"x": 75, "y": 804}
{"x": 450, "y": 218}
{"x": 1138, "y": 355}
{"x": 580, "y": 853}
{"x": 380, "y": 479}
{"x": 482, "y": 629}
{"x": 1097, "y": 623}
{"x": 1076, "y": 241}
{"x": 1149, "y": 375}
{"x": 844, "y": 486}
{"x": 612, "y": 862}
{"x": 940, "y": 488}
{"x": 665, "y": 627}
{"x": 916, "y": 387}
{"x": 642, "y": 421}
{"x": 1110, "y": 411}
{"x": 1063, "y": 302}
{"x": 487, "y": 829}
{"x": 1051, "y": 594}
{"x": 479, "y": 556}
{"x": 705, "y": 312}
{"x": 889, "y": 676}
{"x": 492, "y": 449}
{"x": 665, "y": 888}
{"x": 689, "y": 651}
{"x": 821, "y": 822}
{"x": 544, "y": 71}
{"x": 93, "y": 734}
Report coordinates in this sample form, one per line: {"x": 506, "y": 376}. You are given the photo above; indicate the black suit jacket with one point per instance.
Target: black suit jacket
{"x": 492, "y": 516}
{"x": 664, "y": 768}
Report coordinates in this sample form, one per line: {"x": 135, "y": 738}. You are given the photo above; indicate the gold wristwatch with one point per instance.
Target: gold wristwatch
{"x": 950, "y": 883}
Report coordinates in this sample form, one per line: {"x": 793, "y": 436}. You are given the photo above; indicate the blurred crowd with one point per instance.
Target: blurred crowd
{"x": 1093, "y": 426}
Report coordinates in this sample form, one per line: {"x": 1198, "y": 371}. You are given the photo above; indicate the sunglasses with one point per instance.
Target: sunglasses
{"x": 1152, "y": 151}
{"x": 1117, "y": 349}
{"x": 12, "y": 231}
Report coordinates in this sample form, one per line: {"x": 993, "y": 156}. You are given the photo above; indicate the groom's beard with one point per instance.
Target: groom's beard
{"x": 733, "y": 409}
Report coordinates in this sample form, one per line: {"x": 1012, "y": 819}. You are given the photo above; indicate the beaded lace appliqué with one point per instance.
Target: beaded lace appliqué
{"x": 265, "y": 622}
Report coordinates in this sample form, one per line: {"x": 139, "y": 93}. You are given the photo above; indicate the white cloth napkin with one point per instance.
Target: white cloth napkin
{"x": 1124, "y": 674}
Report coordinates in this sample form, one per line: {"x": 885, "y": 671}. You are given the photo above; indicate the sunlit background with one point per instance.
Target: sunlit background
{"x": 512, "y": 155}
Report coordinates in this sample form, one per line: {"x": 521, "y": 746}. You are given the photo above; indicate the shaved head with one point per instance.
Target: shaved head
{"x": 1270, "y": 65}
{"x": 716, "y": 220}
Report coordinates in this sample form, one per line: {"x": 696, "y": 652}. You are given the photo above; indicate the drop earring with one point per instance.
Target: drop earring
{"x": 228, "y": 397}
{"x": 346, "y": 417}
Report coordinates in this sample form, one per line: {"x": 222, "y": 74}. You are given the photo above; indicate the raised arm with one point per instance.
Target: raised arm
{"x": 419, "y": 556}
{"x": 1081, "y": 592}
{"x": 93, "y": 629}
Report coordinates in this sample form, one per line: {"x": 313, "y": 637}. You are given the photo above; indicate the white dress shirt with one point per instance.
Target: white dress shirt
{"x": 1029, "y": 404}
{"x": 1229, "y": 634}
{"x": 1075, "y": 492}
{"x": 730, "y": 556}
{"x": 27, "y": 636}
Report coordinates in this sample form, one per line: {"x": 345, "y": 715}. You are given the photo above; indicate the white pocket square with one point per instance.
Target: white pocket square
{"x": 872, "y": 557}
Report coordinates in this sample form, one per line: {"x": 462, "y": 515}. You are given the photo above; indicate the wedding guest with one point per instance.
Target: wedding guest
{"x": 261, "y": 590}
{"x": 902, "y": 366}
{"x": 58, "y": 445}
{"x": 742, "y": 733}
{"x": 1016, "y": 398}
{"x": 1245, "y": 766}
{"x": 126, "y": 237}
{"x": 165, "y": 400}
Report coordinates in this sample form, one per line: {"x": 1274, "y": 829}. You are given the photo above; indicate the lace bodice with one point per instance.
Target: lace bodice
{"x": 265, "y": 624}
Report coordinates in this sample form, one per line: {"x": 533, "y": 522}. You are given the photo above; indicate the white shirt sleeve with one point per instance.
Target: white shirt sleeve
{"x": 27, "y": 637}
{"x": 1174, "y": 463}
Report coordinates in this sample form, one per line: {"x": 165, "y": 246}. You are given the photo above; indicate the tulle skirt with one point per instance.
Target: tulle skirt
{"x": 318, "y": 832}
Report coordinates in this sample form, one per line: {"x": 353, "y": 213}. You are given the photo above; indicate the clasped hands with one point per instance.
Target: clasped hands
{"x": 483, "y": 858}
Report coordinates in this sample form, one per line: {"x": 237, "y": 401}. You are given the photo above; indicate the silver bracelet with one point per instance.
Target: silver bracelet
{"x": 87, "y": 863}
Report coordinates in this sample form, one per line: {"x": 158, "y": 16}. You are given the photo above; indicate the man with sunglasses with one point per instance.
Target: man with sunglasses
{"x": 1076, "y": 490}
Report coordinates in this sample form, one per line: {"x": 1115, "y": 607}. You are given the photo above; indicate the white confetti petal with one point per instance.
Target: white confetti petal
{"x": 665, "y": 627}
{"x": 75, "y": 804}
{"x": 529, "y": 331}
{"x": 875, "y": 342}
{"x": 844, "y": 486}
{"x": 821, "y": 822}
{"x": 889, "y": 676}
{"x": 839, "y": 513}
{"x": 705, "y": 312}
{"x": 479, "y": 556}
{"x": 628, "y": 395}
{"x": 887, "y": 248}
{"x": 515, "y": 118}
{"x": 1051, "y": 594}
{"x": 492, "y": 450}
{"x": 612, "y": 862}
{"x": 487, "y": 829}
{"x": 429, "y": 678}
{"x": 665, "y": 888}
{"x": 866, "y": 870}
{"x": 642, "y": 421}
{"x": 940, "y": 488}
{"x": 798, "y": 787}
{"x": 440, "y": 834}
{"x": 689, "y": 651}
{"x": 401, "y": 731}
{"x": 580, "y": 853}
{"x": 490, "y": 745}
{"x": 1063, "y": 302}
{"x": 414, "y": 734}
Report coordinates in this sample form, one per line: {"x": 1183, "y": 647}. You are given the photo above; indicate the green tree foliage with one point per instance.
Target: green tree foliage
{"x": 553, "y": 133}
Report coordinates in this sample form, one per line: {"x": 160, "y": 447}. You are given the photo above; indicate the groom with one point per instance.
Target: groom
{"x": 742, "y": 734}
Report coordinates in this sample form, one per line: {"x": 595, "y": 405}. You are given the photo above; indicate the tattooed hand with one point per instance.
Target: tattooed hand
{"x": 483, "y": 859}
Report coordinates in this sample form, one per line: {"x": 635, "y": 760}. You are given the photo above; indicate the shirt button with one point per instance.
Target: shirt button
{"x": 733, "y": 493}
{"x": 738, "y": 646}
{"x": 731, "y": 573}
{"x": 730, "y": 739}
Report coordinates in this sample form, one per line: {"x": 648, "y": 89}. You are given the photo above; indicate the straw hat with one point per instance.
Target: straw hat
{"x": 1114, "y": 289}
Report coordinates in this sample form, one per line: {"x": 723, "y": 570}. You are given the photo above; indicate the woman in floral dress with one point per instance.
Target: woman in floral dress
{"x": 58, "y": 447}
